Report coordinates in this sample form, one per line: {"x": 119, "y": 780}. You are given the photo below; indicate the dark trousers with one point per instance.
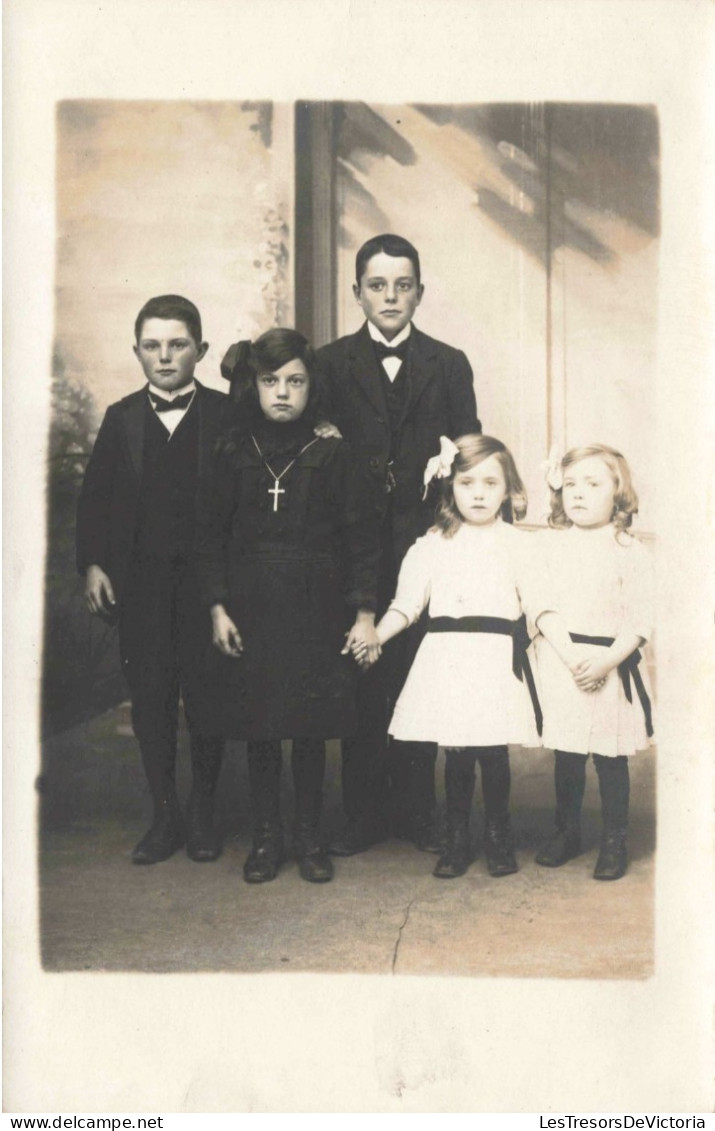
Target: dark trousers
{"x": 164, "y": 634}
{"x": 384, "y": 779}
{"x": 570, "y": 784}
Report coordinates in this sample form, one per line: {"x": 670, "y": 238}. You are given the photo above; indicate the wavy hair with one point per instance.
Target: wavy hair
{"x": 473, "y": 449}
{"x": 625, "y": 499}
{"x": 246, "y": 360}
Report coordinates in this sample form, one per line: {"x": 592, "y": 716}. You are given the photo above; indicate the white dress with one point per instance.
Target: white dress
{"x": 461, "y": 690}
{"x": 601, "y": 585}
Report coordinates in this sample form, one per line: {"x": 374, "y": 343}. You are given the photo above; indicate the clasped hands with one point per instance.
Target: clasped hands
{"x": 589, "y": 672}
{"x": 362, "y": 642}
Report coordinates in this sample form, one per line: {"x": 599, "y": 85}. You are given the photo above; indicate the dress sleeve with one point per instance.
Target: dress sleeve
{"x": 537, "y": 576}
{"x": 216, "y": 504}
{"x": 529, "y": 576}
{"x": 415, "y": 581}
{"x": 638, "y": 590}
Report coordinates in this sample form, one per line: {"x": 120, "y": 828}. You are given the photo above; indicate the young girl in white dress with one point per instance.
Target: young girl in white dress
{"x": 470, "y": 687}
{"x": 594, "y": 613}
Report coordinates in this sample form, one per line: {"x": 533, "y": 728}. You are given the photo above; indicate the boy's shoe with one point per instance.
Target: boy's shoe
{"x": 357, "y": 836}
{"x": 499, "y": 848}
{"x": 612, "y": 857}
{"x": 314, "y": 864}
{"x": 202, "y": 841}
{"x": 457, "y": 854}
{"x": 562, "y": 846}
{"x": 266, "y": 855}
{"x": 425, "y": 835}
{"x": 162, "y": 840}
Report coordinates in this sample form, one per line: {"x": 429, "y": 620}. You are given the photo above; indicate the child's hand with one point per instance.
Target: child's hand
{"x": 362, "y": 641}
{"x": 225, "y": 635}
{"x": 327, "y": 431}
{"x": 577, "y": 659}
{"x": 99, "y": 594}
{"x": 592, "y": 674}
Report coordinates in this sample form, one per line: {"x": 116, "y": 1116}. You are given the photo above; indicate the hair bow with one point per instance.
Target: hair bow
{"x": 553, "y": 471}
{"x": 440, "y": 467}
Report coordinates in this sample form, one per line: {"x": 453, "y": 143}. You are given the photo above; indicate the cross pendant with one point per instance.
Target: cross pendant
{"x": 275, "y": 491}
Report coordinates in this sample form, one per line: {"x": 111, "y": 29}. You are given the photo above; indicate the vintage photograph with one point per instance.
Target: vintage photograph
{"x": 403, "y": 277}
{"x": 357, "y": 742}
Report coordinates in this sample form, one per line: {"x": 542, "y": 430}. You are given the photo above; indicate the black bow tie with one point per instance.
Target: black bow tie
{"x": 161, "y": 405}
{"x": 383, "y": 351}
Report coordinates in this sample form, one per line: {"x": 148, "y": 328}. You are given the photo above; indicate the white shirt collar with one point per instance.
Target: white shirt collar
{"x": 166, "y": 395}
{"x": 396, "y": 341}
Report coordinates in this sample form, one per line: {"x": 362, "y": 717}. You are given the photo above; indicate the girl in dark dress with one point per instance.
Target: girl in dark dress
{"x": 287, "y": 560}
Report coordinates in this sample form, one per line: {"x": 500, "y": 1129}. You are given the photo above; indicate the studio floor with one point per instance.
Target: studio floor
{"x": 383, "y": 913}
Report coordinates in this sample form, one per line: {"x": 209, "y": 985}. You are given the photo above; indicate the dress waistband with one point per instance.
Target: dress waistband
{"x": 627, "y": 670}
{"x": 499, "y": 626}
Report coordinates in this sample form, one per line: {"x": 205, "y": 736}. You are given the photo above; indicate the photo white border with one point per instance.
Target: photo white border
{"x": 308, "y": 1043}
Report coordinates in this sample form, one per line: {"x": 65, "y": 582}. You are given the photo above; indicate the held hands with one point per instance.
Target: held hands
{"x": 99, "y": 594}
{"x": 225, "y": 635}
{"x": 362, "y": 641}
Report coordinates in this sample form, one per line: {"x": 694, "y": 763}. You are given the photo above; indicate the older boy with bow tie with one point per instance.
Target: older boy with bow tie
{"x": 393, "y": 391}
{"x": 135, "y": 533}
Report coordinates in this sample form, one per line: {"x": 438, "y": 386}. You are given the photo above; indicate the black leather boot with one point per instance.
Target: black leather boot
{"x": 459, "y": 780}
{"x": 202, "y": 840}
{"x": 498, "y": 837}
{"x": 613, "y": 855}
{"x": 570, "y": 783}
{"x": 614, "y": 786}
{"x": 164, "y": 837}
{"x": 308, "y": 767}
{"x": 457, "y": 854}
{"x": 499, "y": 846}
{"x": 314, "y": 863}
{"x": 267, "y": 849}
{"x": 562, "y": 845}
{"x": 266, "y": 855}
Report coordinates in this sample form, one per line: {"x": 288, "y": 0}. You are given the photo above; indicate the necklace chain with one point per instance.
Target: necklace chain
{"x": 275, "y": 490}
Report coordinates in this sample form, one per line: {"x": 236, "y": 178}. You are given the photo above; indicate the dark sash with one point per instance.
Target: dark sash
{"x": 627, "y": 670}
{"x": 499, "y": 626}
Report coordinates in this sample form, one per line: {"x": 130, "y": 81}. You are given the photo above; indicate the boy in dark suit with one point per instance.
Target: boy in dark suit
{"x": 135, "y": 533}
{"x": 393, "y": 392}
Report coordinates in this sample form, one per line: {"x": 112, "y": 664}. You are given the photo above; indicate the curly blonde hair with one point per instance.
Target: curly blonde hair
{"x": 625, "y": 499}
{"x": 473, "y": 449}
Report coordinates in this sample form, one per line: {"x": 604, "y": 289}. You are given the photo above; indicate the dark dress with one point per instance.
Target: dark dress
{"x": 291, "y": 579}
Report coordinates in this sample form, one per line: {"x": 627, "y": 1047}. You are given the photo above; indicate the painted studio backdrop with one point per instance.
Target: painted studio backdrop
{"x": 537, "y": 226}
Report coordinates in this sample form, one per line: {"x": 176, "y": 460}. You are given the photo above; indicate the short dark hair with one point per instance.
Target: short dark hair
{"x": 389, "y": 245}
{"x": 174, "y": 307}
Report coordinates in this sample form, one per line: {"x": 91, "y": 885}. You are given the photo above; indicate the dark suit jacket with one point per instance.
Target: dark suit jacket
{"x": 440, "y": 401}
{"x": 108, "y": 503}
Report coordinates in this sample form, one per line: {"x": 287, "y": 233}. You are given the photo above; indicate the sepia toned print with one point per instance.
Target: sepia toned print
{"x": 538, "y": 232}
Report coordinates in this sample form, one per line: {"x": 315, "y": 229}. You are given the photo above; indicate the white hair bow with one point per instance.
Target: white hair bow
{"x": 553, "y": 472}
{"x": 440, "y": 467}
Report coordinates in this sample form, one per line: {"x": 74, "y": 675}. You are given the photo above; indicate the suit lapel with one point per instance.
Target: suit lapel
{"x": 421, "y": 362}
{"x": 207, "y": 429}
{"x": 134, "y": 410}
{"x": 364, "y": 368}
